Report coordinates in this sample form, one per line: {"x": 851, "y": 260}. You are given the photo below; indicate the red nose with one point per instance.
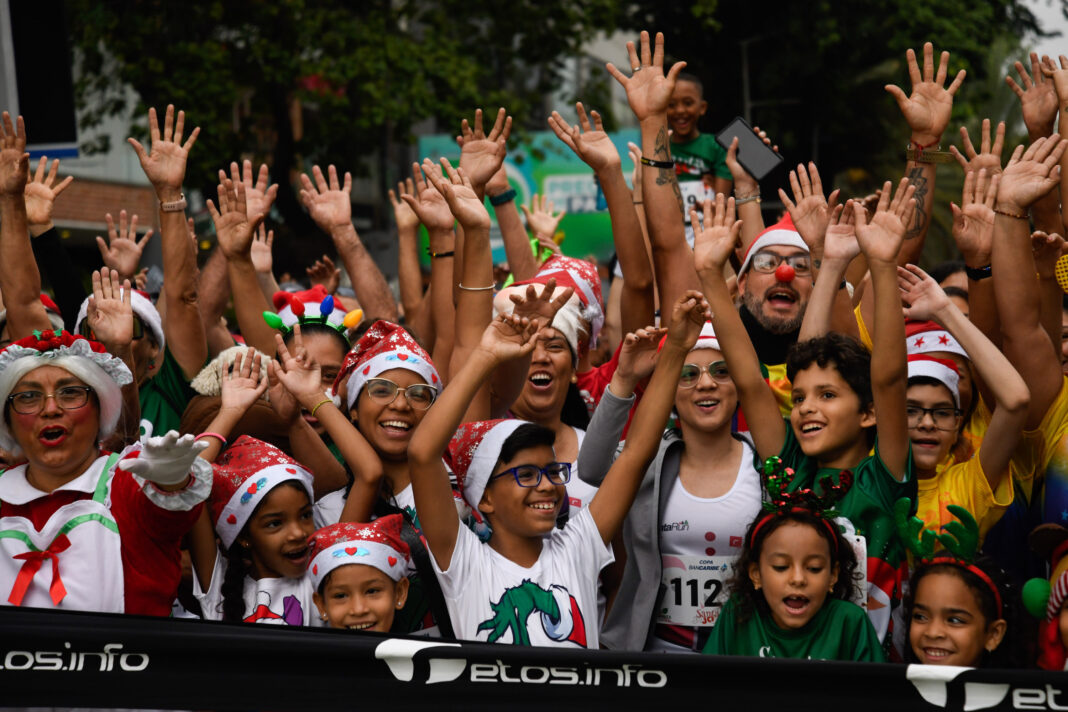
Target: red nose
{"x": 784, "y": 273}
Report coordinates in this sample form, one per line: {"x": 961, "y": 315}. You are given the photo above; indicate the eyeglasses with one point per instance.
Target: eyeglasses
{"x": 768, "y": 261}
{"x": 944, "y": 418}
{"x": 67, "y": 398}
{"x": 419, "y": 396}
{"x": 138, "y": 329}
{"x": 558, "y": 473}
{"x": 691, "y": 373}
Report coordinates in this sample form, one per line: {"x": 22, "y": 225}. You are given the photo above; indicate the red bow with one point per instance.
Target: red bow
{"x": 33, "y": 561}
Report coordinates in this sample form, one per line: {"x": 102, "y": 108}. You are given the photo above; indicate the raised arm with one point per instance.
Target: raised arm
{"x": 409, "y": 274}
{"x": 715, "y": 238}
{"x": 839, "y": 249}
{"x": 20, "y": 281}
{"x": 505, "y": 338}
{"x": 881, "y": 240}
{"x": 747, "y": 192}
{"x": 50, "y": 254}
{"x": 110, "y": 316}
{"x": 164, "y": 166}
{"x": 648, "y": 92}
{"x": 1038, "y": 104}
{"x": 1047, "y": 249}
{"x": 926, "y": 110}
{"x": 122, "y": 250}
{"x": 925, "y": 300}
{"x": 330, "y": 206}
{"x": 616, "y": 494}
{"x": 1060, "y": 86}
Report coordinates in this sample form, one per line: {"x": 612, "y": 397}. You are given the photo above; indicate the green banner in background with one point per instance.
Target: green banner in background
{"x": 544, "y": 165}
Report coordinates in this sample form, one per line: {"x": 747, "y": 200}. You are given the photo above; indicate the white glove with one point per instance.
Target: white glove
{"x": 165, "y": 460}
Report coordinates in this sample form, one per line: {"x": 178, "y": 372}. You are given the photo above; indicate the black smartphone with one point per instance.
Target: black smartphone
{"x": 757, "y": 158}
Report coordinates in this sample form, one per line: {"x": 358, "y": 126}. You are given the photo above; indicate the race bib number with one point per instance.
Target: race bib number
{"x": 694, "y": 192}
{"x": 695, "y": 589}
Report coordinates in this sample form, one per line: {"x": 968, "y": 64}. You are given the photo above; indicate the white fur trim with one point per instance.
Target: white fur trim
{"x": 1058, "y": 592}
{"x": 101, "y": 372}
{"x": 941, "y": 373}
{"x": 485, "y": 457}
{"x": 209, "y": 381}
{"x": 369, "y": 553}
{"x": 773, "y": 238}
{"x": 336, "y": 318}
{"x": 707, "y": 339}
{"x": 265, "y": 480}
{"x": 387, "y": 361}
{"x": 934, "y": 341}
{"x": 143, "y": 308}
{"x": 183, "y": 500}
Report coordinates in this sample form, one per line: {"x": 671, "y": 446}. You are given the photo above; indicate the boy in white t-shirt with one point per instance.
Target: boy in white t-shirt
{"x": 509, "y": 474}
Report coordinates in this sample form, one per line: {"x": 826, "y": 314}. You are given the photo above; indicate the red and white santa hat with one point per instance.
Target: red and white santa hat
{"x": 474, "y": 450}
{"x": 51, "y": 310}
{"x": 142, "y": 307}
{"x": 312, "y": 306}
{"x": 942, "y": 370}
{"x": 88, "y": 360}
{"x": 782, "y": 233}
{"x": 707, "y": 339}
{"x": 924, "y": 337}
{"x": 583, "y": 313}
{"x": 383, "y": 347}
{"x": 244, "y": 474}
{"x": 378, "y": 544}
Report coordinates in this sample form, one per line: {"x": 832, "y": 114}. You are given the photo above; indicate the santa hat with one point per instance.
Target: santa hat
{"x": 583, "y": 312}
{"x": 942, "y": 370}
{"x": 51, "y": 310}
{"x": 88, "y": 360}
{"x": 144, "y": 310}
{"x": 924, "y": 337}
{"x": 312, "y": 306}
{"x": 383, "y": 347}
{"x": 782, "y": 233}
{"x": 244, "y": 474}
{"x": 474, "y": 450}
{"x": 707, "y": 339}
{"x": 209, "y": 381}
{"x": 378, "y": 544}
{"x": 1051, "y": 542}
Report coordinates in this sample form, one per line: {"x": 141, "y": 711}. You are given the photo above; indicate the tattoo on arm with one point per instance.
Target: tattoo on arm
{"x": 666, "y": 176}
{"x": 919, "y": 221}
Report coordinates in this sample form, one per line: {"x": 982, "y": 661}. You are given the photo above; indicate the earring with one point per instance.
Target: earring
{"x": 322, "y": 617}
{"x": 574, "y": 378}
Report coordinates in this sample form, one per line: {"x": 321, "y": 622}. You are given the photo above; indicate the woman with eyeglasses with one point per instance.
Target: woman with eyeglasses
{"x": 696, "y": 500}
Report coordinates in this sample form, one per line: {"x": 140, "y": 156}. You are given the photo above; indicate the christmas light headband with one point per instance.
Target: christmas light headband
{"x": 777, "y": 479}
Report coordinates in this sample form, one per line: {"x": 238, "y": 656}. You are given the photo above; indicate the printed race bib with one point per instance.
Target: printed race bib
{"x": 694, "y": 192}
{"x": 695, "y": 589}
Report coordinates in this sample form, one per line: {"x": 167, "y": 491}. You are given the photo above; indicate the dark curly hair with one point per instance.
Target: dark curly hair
{"x": 846, "y": 355}
{"x": 1012, "y": 652}
{"x": 748, "y": 600}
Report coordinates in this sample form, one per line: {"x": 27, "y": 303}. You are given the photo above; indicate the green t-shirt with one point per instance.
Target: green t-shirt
{"x": 839, "y": 631}
{"x": 698, "y": 157}
{"x": 869, "y": 506}
{"x": 164, "y": 397}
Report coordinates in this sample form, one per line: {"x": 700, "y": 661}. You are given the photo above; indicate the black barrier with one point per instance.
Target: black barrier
{"x": 65, "y": 659}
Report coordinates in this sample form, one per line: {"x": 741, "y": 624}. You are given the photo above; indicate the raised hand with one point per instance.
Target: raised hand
{"x": 298, "y": 370}
{"x": 259, "y": 196}
{"x": 402, "y": 212}
{"x": 1058, "y": 75}
{"x": 242, "y": 382}
{"x": 109, "y": 314}
{"x": 973, "y": 219}
{"x": 841, "y": 244}
{"x": 164, "y": 165}
{"x": 233, "y": 228}
{"x": 928, "y": 108}
{"x": 122, "y": 250}
{"x": 281, "y": 400}
{"x": 715, "y": 235}
{"x": 688, "y": 316}
{"x": 509, "y": 337}
{"x": 809, "y": 210}
{"x": 41, "y": 194}
{"x": 745, "y": 184}
{"x": 14, "y": 161}
{"x": 165, "y": 460}
{"x": 261, "y": 248}
{"x": 648, "y": 89}
{"x": 328, "y": 203}
{"x": 482, "y": 154}
{"x": 881, "y": 238}
{"x": 1030, "y": 174}
{"x": 638, "y": 355}
{"x": 540, "y": 309}
{"x": 1047, "y": 249}
{"x": 924, "y": 299}
{"x": 540, "y": 218}
{"x": 590, "y": 143}
{"x": 325, "y": 273}
{"x": 459, "y": 193}
{"x": 989, "y": 156}
{"x": 1038, "y": 98}
{"x": 427, "y": 203}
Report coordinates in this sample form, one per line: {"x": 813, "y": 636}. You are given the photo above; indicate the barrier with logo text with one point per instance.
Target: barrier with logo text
{"x": 65, "y": 659}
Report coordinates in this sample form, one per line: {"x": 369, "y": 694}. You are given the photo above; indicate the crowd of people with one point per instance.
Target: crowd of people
{"x": 780, "y": 440}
